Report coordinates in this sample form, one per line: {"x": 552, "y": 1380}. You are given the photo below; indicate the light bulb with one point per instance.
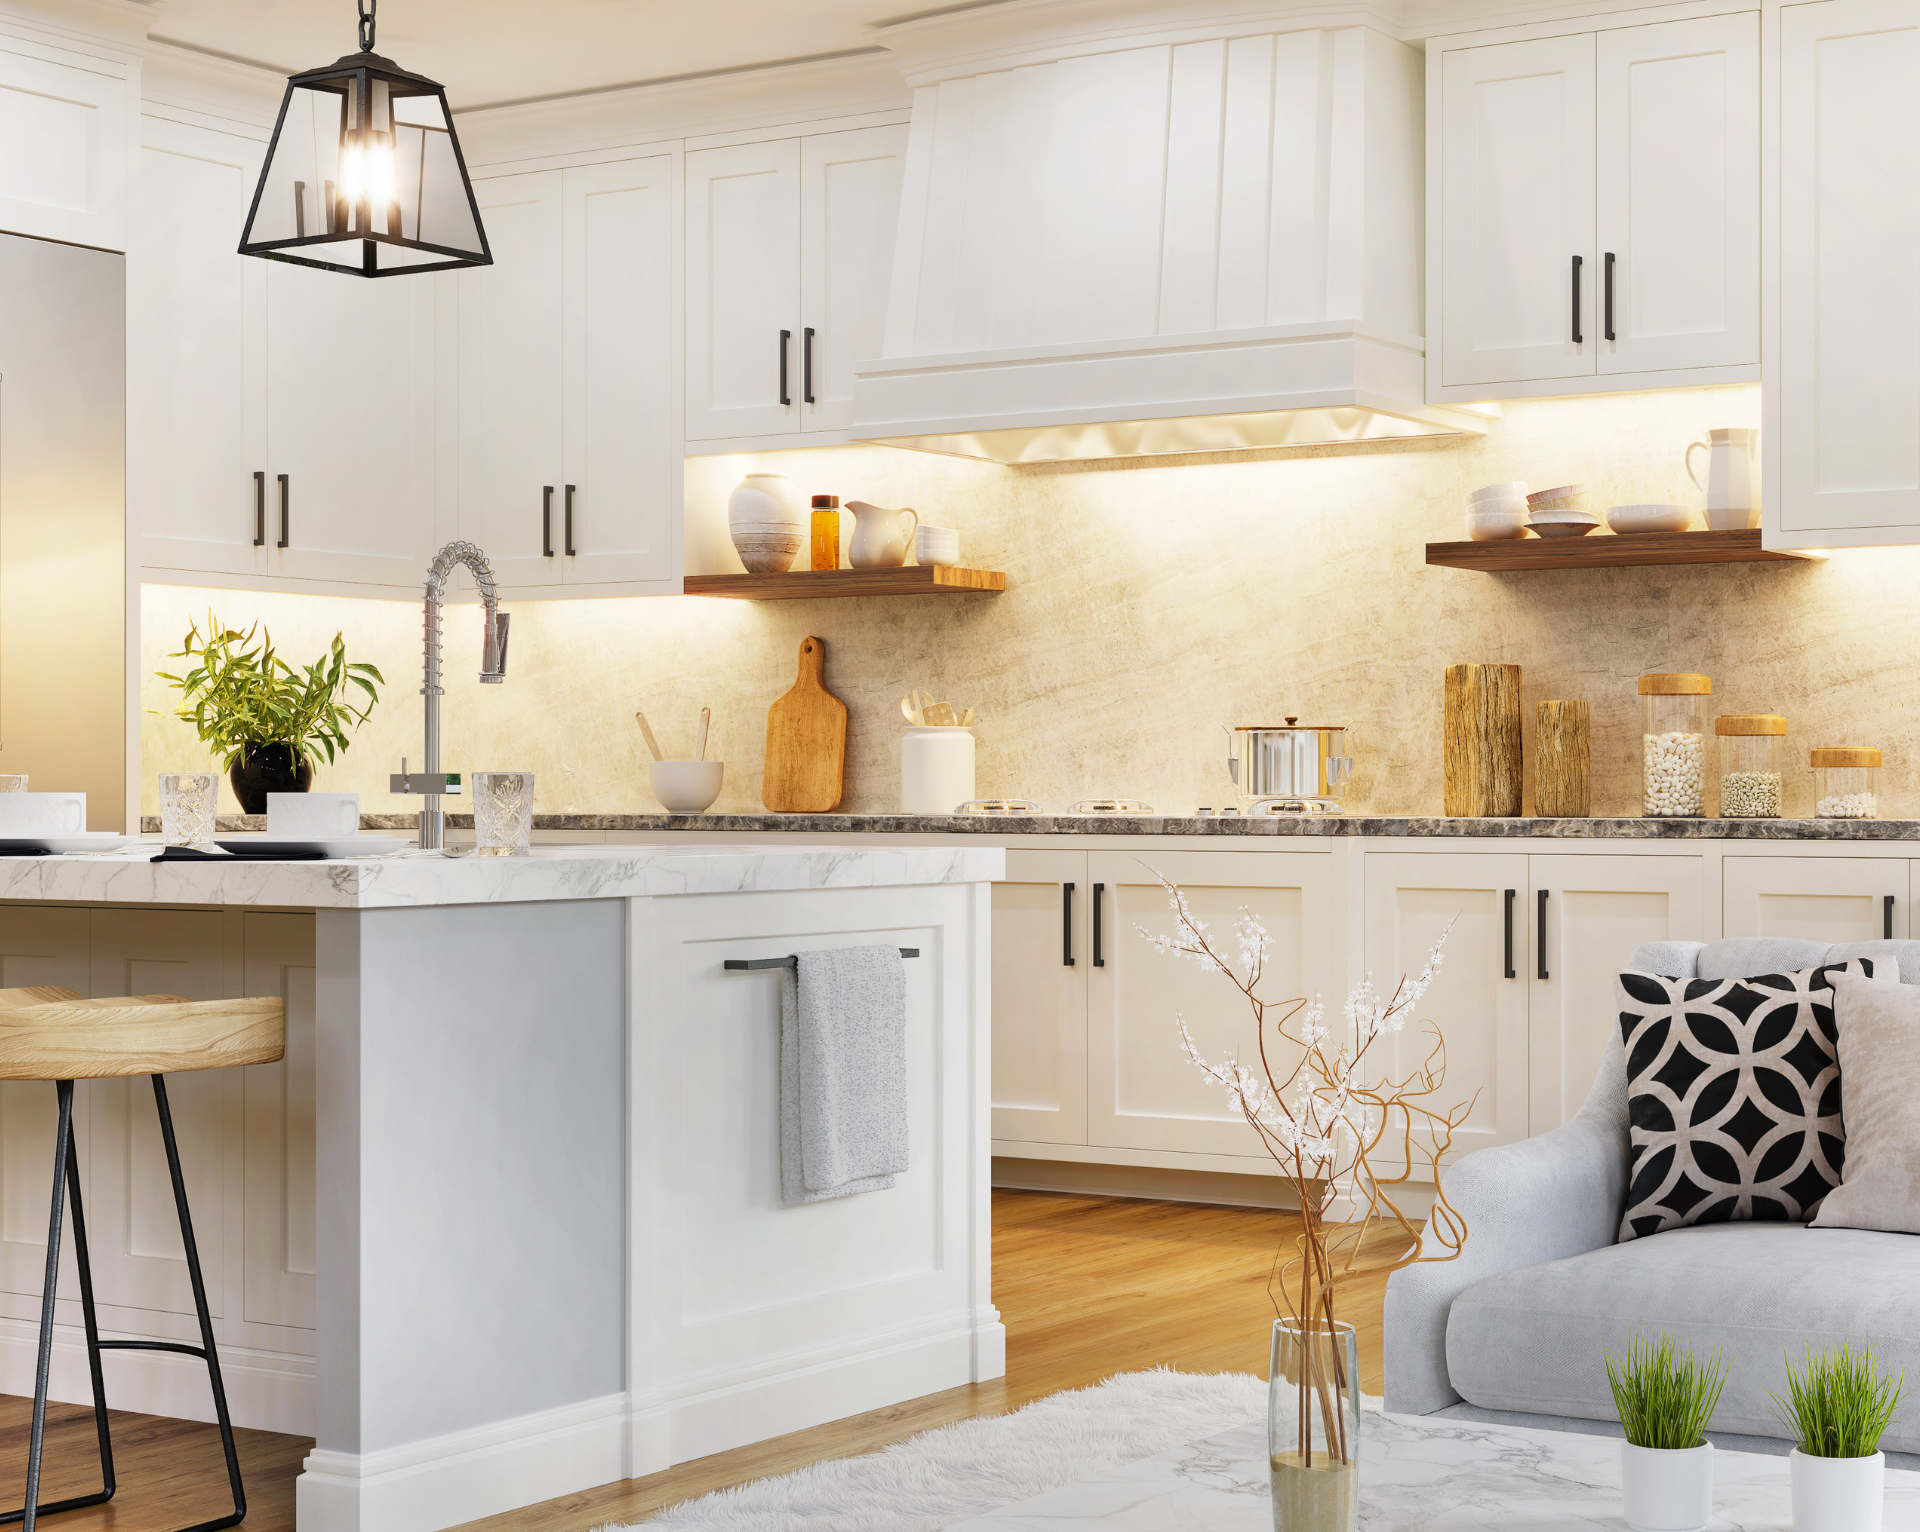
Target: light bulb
{"x": 368, "y": 172}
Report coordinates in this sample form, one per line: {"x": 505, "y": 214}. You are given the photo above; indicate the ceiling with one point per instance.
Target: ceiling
{"x": 491, "y": 51}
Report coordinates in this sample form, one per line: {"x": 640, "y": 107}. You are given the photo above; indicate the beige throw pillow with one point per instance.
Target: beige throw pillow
{"x": 1879, "y": 1047}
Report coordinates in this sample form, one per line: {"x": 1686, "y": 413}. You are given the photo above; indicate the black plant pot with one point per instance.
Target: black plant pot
{"x": 264, "y": 769}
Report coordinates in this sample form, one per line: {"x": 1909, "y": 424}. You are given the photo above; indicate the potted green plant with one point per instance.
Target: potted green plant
{"x": 1665, "y": 1396}
{"x": 1837, "y": 1406}
{"x": 268, "y": 720}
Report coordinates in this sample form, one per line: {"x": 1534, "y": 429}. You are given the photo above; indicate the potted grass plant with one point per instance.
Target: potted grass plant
{"x": 1665, "y": 1395}
{"x": 1837, "y": 1406}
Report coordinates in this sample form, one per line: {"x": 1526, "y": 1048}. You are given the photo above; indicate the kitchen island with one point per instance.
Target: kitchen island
{"x": 506, "y": 1223}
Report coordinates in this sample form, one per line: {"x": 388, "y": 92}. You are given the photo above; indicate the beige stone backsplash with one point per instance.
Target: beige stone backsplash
{"x": 1148, "y": 604}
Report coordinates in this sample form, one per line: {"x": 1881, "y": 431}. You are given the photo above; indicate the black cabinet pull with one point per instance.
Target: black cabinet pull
{"x": 1099, "y": 961}
{"x": 1541, "y": 967}
{"x": 785, "y": 336}
{"x": 546, "y": 521}
{"x": 806, "y": 366}
{"x": 569, "y": 542}
{"x": 283, "y": 510}
{"x": 1066, "y": 925}
{"x": 260, "y": 509}
{"x": 1886, "y": 918}
{"x": 1608, "y": 290}
{"x": 1510, "y": 897}
{"x": 1578, "y": 339}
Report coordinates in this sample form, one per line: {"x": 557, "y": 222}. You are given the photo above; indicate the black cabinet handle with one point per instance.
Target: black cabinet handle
{"x": 283, "y": 509}
{"x": 806, "y": 365}
{"x": 1886, "y": 918}
{"x": 1541, "y": 966}
{"x": 1608, "y": 290}
{"x": 1510, "y": 897}
{"x": 785, "y": 336}
{"x": 1099, "y": 961}
{"x": 546, "y": 521}
{"x": 260, "y": 509}
{"x": 569, "y": 542}
{"x": 1578, "y": 339}
{"x": 1066, "y": 925}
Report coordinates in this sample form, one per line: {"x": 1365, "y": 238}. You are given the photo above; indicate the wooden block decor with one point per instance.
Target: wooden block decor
{"x": 1562, "y": 760}
{"x": 1482, "y": 741}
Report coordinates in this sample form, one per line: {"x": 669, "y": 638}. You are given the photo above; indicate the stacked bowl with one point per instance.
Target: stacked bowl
{"x": 1497, "y": 512}
{"x": 1561, "y": 512}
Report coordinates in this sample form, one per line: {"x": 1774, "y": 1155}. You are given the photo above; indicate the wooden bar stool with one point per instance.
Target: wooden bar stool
{"x": 53, "y": 1034}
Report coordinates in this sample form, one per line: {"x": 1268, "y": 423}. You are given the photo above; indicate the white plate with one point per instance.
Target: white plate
{"x": 330, "y": 847}
{"x": 86, "y": 840}
{"x": 1649, "y": 518}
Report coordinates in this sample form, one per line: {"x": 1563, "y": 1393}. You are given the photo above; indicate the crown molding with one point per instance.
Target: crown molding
{"x": 114, "y": 29}
{"x": 210, "y": 86}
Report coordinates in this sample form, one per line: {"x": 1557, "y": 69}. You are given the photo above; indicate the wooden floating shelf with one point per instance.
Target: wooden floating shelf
{"x": 1610, "y": 551}
{"x": 812, "y": 584}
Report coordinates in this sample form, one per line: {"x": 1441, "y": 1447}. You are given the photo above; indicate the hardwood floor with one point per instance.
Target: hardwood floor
{"x": 1088, "y": 1286}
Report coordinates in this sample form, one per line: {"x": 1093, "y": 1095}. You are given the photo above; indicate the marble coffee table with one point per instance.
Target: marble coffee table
{"x": 1417, "y": 1474}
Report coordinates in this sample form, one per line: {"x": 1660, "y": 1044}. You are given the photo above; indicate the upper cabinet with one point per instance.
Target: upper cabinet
{"x": 1594, "y": 210}
{"x": 789, "y": 253}
{"x": 75, "y": 111}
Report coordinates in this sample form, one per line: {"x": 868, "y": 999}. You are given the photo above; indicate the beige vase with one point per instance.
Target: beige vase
{"x": 767, "y": 519}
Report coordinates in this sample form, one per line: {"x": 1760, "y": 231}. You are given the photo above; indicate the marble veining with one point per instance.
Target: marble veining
{"x": 1417, "y": 1474}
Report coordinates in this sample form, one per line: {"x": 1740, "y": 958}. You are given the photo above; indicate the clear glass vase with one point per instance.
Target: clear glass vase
{"x": 1313, "y": 1426}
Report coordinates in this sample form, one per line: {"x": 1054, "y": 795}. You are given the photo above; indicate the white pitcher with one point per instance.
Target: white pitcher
{"x": 1731, "y": 485}
{"x": 879, "y": 539}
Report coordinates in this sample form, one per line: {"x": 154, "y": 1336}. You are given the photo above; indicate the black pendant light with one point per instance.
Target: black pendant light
{"x": 364, "y": 175}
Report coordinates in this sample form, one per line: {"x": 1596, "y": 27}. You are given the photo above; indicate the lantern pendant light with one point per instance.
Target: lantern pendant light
{"x": 364, "y": 175}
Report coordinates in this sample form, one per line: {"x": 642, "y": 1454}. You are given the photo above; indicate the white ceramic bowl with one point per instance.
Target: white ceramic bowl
{"x": 1649, "y": 518}
{"x": 936, "y": 545}
{"x": 1495, "y": 529}
{"x": 1497, "y": 504}
{"x": 1563, "y": 528}
{"x": 685, "y": 787}
{"x": 1568, "y": 497}
{"x": 1513, "y": 489}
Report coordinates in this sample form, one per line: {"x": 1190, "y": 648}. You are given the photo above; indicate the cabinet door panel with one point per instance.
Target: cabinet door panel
{"x": 743, "y": 289}
{"x": 1819, "y": 899}
{"x": 1516, "y": 183}
{"x": 72, "y": 186}
{"x": 849, "y": 213}
{"x": 511, "y": 381}
{"x": 279, "y": 1199}
{"x": 1143, "y": 1092}
{"x": 1039, "y": 1000}
{"x": 1411, "y": 898}
{"x": 1679, "y": 193}
{"x": 1598, "y": 909}
{"x": 196, "y": 354}
{"x": 622, "y": 447}
{"x": 1848, "y": 381}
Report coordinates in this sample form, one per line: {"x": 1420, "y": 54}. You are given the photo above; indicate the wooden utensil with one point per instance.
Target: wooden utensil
{"x": 909, "y": 712}
{"x": 700, "y": 744}
{"x": 966, "y": 719}
{"x": 806, "y": 741}
{"x": 647, "y": 731}
{"x": 940, "y": 716}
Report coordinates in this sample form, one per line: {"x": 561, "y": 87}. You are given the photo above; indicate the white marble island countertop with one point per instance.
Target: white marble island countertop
{"x": 408, "y": 878}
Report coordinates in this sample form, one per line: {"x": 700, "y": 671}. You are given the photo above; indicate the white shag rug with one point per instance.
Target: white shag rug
{"x": 974, "y": 1466}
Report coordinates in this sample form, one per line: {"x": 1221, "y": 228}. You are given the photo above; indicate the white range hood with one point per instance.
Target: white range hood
{"x": 1131, "y": 230}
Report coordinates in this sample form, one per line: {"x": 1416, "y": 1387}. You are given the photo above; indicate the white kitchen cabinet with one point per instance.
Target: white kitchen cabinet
{"x": 64, "y": 118}
{"x": 1842, "y": 432}
{"x": 1040, "y": 966}
{"x": 789, "y": 252}
{"x": 278, "y": 1200}
{"x": 1819, "y": 898}
{"x": 1595, "y": 210}
{"x": 1589, "y": 913}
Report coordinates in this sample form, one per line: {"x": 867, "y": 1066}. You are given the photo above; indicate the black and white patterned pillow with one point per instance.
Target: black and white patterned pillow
{"x": 1733, "y": 1097}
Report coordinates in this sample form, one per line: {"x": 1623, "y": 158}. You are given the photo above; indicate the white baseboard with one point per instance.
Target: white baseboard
{"x": 464, "y": 1475}
{"x": 266, "y": 1390}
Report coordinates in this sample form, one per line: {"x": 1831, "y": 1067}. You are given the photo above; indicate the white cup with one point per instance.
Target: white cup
{"x": 312, "y": 816}
{"x": 28, "y": 814}
{"x": 937, "y": 545}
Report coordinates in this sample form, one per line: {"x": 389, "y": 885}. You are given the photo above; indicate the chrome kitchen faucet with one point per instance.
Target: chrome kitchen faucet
{"x": 432, "y": 782}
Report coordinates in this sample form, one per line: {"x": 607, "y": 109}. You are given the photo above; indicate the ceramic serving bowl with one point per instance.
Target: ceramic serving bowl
{"x": 685, "y": 787}
{"x": 1568, "y": 497}
{"x": 1496, "y": 529}
{"x": 1563, "y": 528}
{"x": 1649, "y": 518}
{"x": 1513, "y": 489}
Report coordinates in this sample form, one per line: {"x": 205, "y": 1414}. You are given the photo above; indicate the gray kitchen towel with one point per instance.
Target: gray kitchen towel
{"x": 843, "y": 1073}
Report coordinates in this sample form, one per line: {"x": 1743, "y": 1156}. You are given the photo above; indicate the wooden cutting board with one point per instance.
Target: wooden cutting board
{"x": 806, "y": 741}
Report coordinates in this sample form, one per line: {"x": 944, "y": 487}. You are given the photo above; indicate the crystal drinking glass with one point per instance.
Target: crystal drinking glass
{"x": 503, "y": 812}
{"x": 187, "y": 801}
{"x": 13, "y": 784}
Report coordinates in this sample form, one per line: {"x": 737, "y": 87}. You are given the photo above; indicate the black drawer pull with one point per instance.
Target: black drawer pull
{"x": 785, "y": 336}
{"x": 283, "y": 510}
{"x": 1066, "y": 925}
{"x": 1542, "y": 967}
{"x": 1886, "y": 918}
{"x": 1511, "y": 893}
{"x": 260, "y": 509}
{"x": 1577, "y": 338}
{"x": 546, "y": 521}
{"x": 1099, "y": 960}
{"x": 569, "y": 542}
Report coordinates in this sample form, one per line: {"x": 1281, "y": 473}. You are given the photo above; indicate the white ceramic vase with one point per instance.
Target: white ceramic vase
{"x": 1837, "y": 1494}
{"x": 1666, "y": 1490}
{"x": 936, "y": 770}
{"x": 767, "y": 518}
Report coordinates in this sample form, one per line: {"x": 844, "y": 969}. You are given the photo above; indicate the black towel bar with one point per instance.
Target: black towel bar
{"x": 739, "y": 965}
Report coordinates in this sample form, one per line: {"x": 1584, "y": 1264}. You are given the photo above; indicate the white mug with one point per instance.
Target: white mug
{"x": 29, "y": 814}
{"x": 313, "y": 816}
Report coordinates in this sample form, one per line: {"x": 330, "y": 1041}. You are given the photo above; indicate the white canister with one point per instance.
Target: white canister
{"x": 767, "y": 519}
{"x": 1837, "y": 1494}
{"x": 1666, "y": 1490}
{"x": 936, "y": 770}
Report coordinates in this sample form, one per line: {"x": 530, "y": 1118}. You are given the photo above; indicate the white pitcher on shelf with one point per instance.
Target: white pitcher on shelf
{"x": 880, "y": 541}
{"x": 1731, "y": 485}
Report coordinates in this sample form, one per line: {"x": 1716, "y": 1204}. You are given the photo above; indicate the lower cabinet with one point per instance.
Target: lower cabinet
{"x": 1828, "y": 899}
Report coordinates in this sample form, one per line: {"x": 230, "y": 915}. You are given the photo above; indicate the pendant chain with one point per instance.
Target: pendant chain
{"x": 367, "y": 8}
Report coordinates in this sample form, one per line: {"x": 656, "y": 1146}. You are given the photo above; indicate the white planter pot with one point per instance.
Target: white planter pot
{"x": 1666, "y": 1491}
{"x": 1838, "y": 1494}
{"x": 936, "y": 770}
{"x": 767, "y": 519}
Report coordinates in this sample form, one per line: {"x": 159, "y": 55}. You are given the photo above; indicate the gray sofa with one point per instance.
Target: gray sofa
{"x": 1512, "y": 1331}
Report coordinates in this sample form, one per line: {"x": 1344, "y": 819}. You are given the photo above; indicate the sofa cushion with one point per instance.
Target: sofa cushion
{"x": 1733, "y": 1097}
{"x": 1531, "y": 1339}
{"x": 1879, "y": 1028}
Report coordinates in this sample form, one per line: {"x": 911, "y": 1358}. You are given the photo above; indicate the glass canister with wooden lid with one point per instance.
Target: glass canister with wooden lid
{"x": 1846, "y": 781}
{"x": 1673, "y": 736}
{"x": 1752, "y": 761}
